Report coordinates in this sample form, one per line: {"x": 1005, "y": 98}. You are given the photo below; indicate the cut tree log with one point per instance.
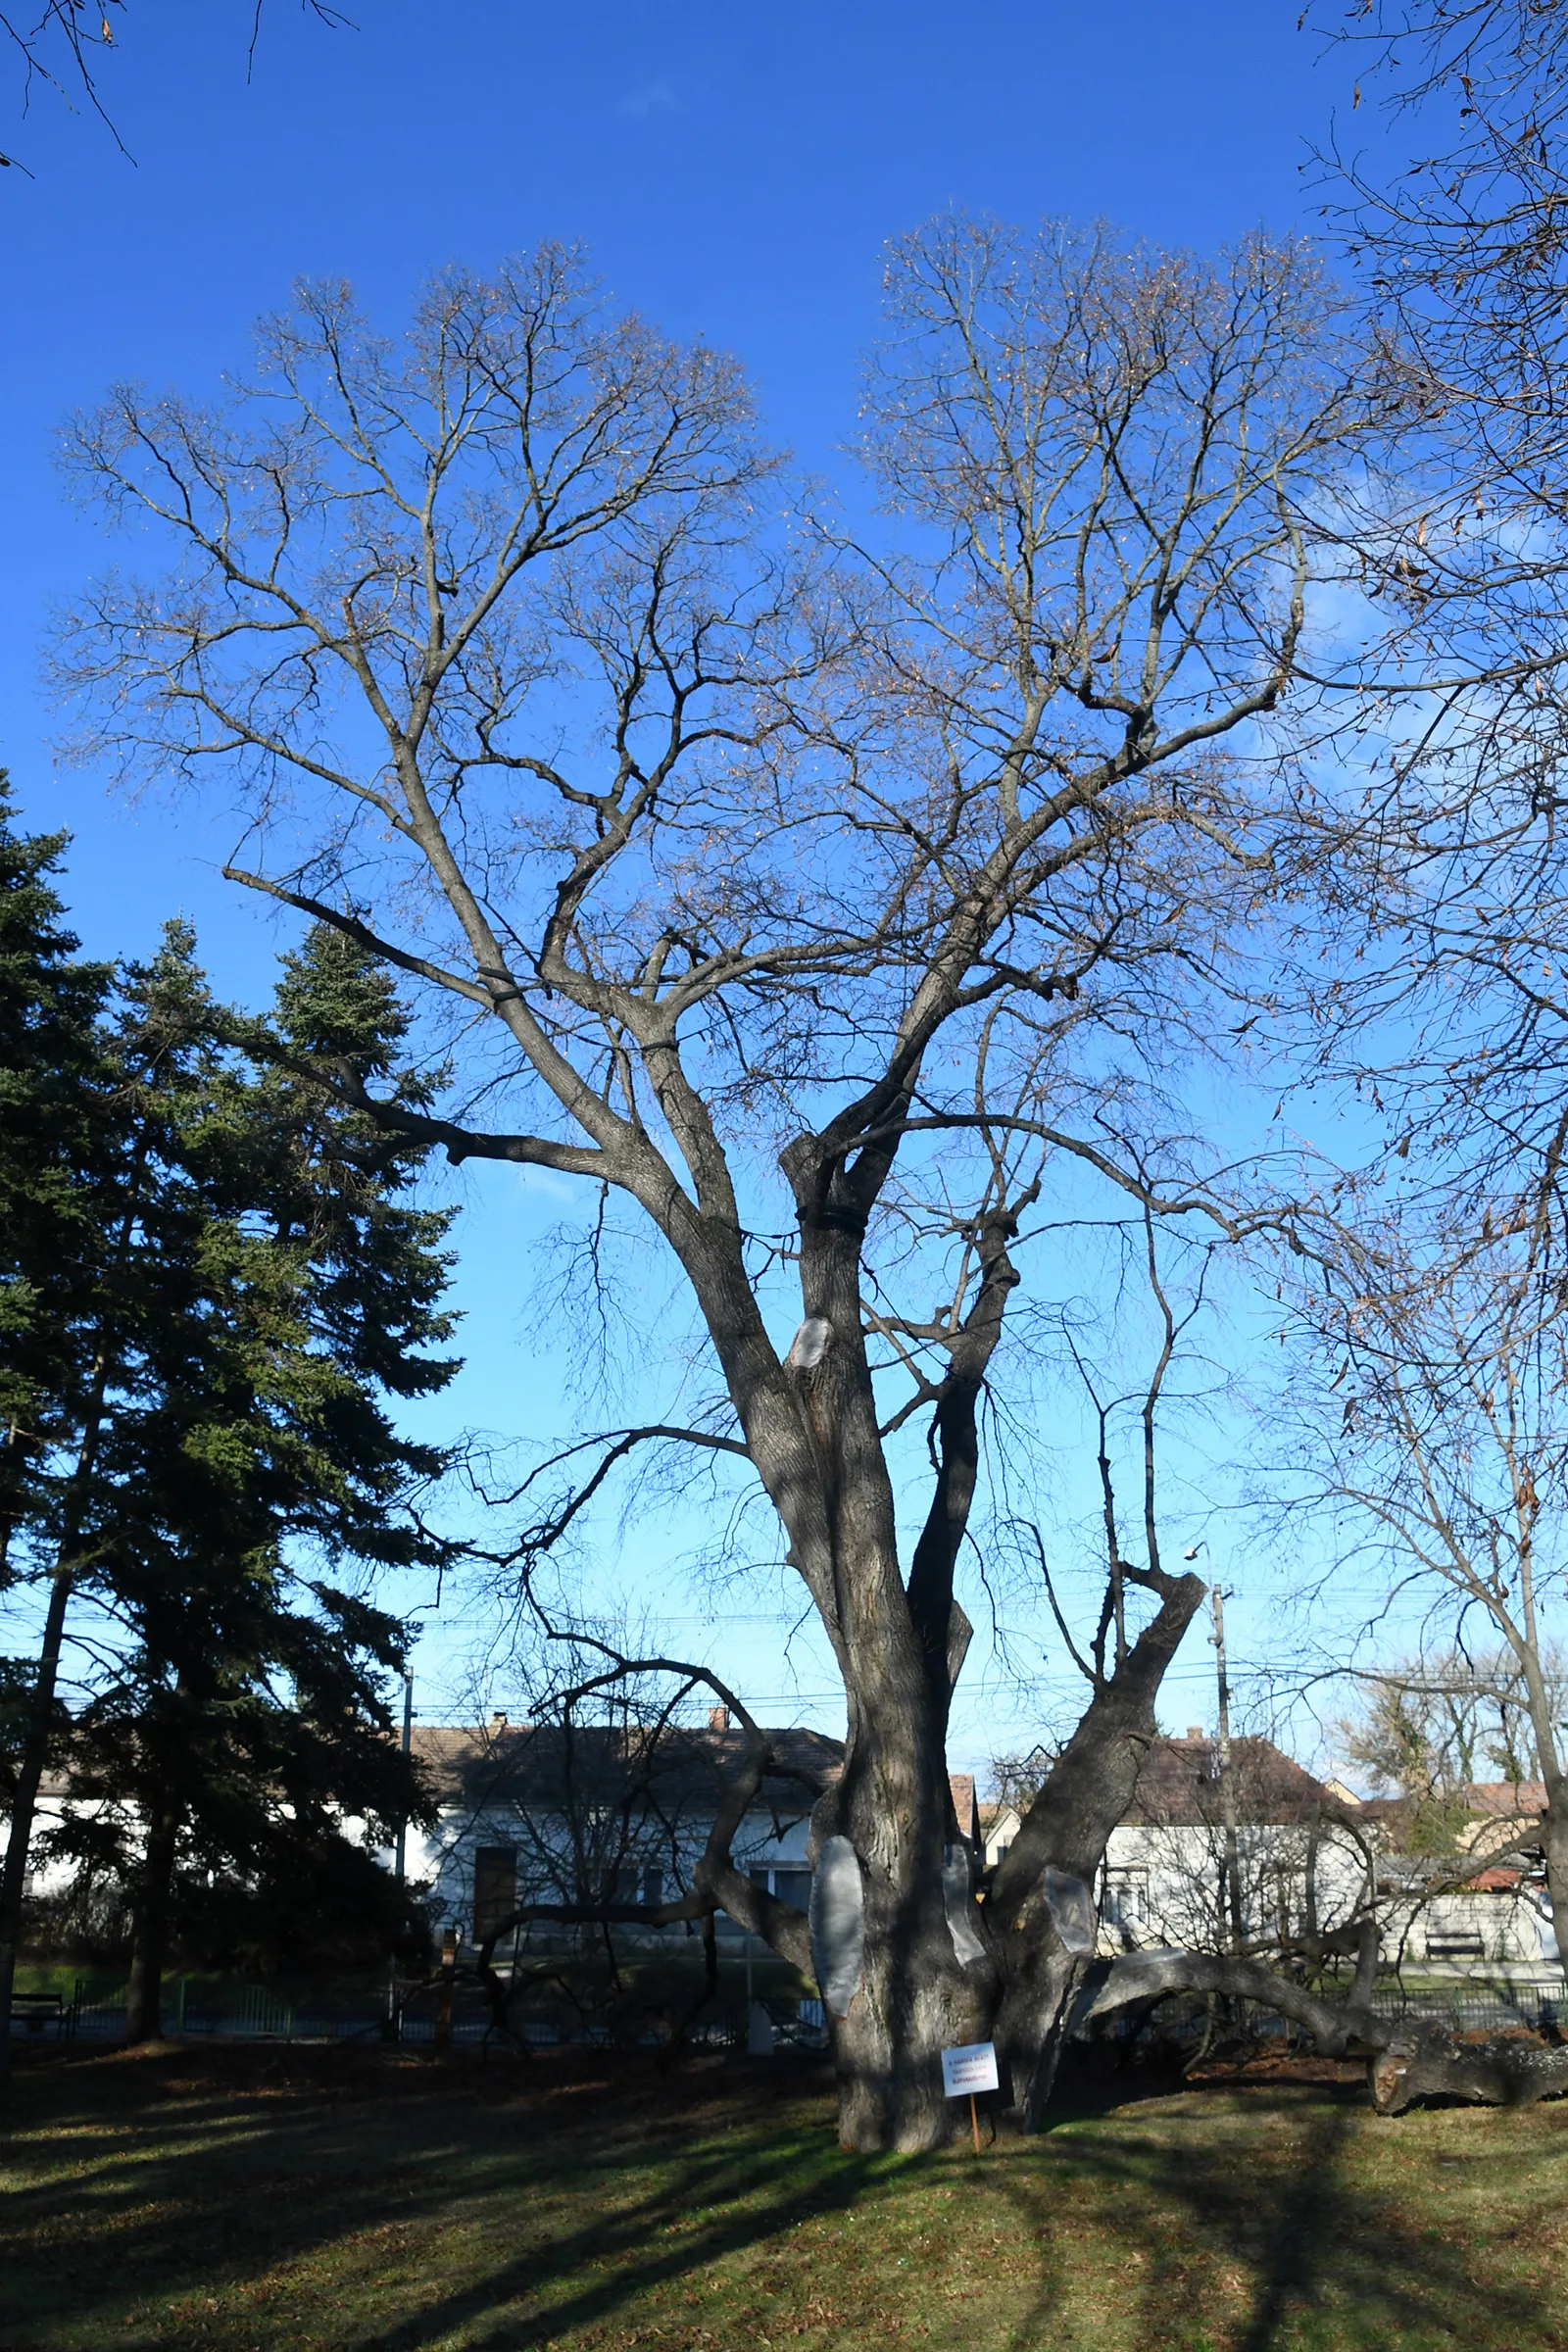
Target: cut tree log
{"x": 1507, "y": 2070}
{"x": 1406, "y": 2061}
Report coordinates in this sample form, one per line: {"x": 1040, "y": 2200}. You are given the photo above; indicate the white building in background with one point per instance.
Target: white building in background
{"x": 1164, "y": 1880}
{"x": 533, "y": 1814}
{"x": 1166, "y": 1867}
{"x": 530, "y": 1814}
{"x": 1492, "y": 1917}
{"x": 50, "y": 1873}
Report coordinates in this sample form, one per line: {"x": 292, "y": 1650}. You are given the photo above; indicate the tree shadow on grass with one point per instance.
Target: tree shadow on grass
{"x": 739, "y": 2220}
{"x": 1246, "y": 2221}
{"x": 1258, "y": 2241}
{"x": 145, "y": 2188}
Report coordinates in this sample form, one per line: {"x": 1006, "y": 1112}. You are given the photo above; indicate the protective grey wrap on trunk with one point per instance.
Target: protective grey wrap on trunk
{"x": 1072, "y": 1911}
{"x": 967, "y": 1943}
{"x": 838, "y": 1925}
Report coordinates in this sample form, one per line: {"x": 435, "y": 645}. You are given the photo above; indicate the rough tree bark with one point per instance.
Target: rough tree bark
{"x": 40, "y": 1726}
{"x": 144, "y": 2009}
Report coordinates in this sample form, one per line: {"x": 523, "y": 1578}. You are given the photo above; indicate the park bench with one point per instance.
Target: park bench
{"x": 33, "y": 2010}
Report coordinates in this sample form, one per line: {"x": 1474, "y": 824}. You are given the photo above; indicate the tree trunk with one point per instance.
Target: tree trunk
{"x": 144, "y": 2015}
{"x": 24, "y": 1799}
{"x": 887, "y": 2055}
{"x": 811, "y": 1431}
{"x": 1506, "y": 2070}
{"x": 1086, "y": 1793}
{"x": 914, "y": 1997}
{"x": 1554, "y": 1841}
{"x": 1407, "y": 2060}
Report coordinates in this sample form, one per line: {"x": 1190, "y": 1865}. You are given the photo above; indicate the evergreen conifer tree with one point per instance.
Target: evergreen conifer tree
{"x": 59, "y": 1164}
{"x": 53, "y": 1090}
{"x": 259, "y": 1284}
{"x": 245, "y": 1724}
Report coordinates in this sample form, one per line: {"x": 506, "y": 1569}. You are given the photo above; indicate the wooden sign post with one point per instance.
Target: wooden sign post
{"x": 970, "y": 2069}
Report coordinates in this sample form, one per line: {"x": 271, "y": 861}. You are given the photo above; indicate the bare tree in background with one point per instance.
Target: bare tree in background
{"x": 1448, "y": 707}
{"x": 902, "y": 872}
{"x": 610, "y": 1801}
{"x": 60, "y": 47}
{"x": 1427, "y": 1727}
{"x": 1442, "y": 1457}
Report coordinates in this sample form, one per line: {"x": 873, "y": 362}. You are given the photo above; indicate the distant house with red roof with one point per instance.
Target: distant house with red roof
{"x": 1480, "y": 1906}
{"x": 1165, "y": 1877}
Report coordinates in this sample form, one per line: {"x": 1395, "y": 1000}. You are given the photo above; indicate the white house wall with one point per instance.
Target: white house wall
{"x": 443, "y": 1862}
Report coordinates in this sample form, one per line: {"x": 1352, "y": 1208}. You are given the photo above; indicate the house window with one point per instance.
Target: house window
{"x": 494, "y": 1889}
{"x": 792, "y": 1884}
{"x": 653, "y": 1890}
{"x": 1126, "y": 1903}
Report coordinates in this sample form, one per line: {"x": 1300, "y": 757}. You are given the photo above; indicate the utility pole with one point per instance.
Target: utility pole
{"x": 392, "y": 2029}
{"x": 1227, "y": 1784}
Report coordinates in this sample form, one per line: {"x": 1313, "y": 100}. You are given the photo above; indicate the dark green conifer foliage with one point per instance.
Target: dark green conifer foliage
{"x": 54, "y": 1134}
{"x": 60, "y": 1165}
{"x": 223, "y": 1479}
{"x": 251, "y": 1463}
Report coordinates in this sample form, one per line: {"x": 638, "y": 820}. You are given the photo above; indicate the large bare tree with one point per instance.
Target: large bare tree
{"x": 745, "y": 854}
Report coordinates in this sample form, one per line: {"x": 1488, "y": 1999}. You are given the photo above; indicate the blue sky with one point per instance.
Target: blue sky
{"x": 733, "y": 172}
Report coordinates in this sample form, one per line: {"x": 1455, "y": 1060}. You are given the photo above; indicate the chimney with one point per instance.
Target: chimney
{"x": 719, "y": 1719}
{"x": 1195, "y": 1731}
{"x": 498, "y": 1722}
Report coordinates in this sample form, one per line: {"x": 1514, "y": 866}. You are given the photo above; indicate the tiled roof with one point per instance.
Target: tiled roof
{"x": 531, "y": 1765}
{"x": 1396, "y": 1810}
{"x": 1503, "y": 1800}
{"x": 1484, "y": 1801}
{"x": 537, "y": 1766}
{"x": 1179, "y": 1784}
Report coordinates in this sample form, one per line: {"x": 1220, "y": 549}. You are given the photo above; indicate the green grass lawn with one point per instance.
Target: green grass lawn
{"x": 302, "y": 2199}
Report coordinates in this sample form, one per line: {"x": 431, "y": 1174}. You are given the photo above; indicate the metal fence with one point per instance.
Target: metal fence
{"x": 1478, "y": 2013}
{"x": 252, "y": 2013}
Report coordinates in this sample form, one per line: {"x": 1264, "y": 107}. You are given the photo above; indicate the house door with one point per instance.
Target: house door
{"x": 495, "y": 1887}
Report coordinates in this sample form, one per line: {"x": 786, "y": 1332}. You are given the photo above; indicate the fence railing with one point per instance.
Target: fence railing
{"x": 257, "y": 2013}
{"x": 244, "y": 2013}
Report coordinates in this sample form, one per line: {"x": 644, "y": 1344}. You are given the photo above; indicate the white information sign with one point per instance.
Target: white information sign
{"x": 970, "y": 2068}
